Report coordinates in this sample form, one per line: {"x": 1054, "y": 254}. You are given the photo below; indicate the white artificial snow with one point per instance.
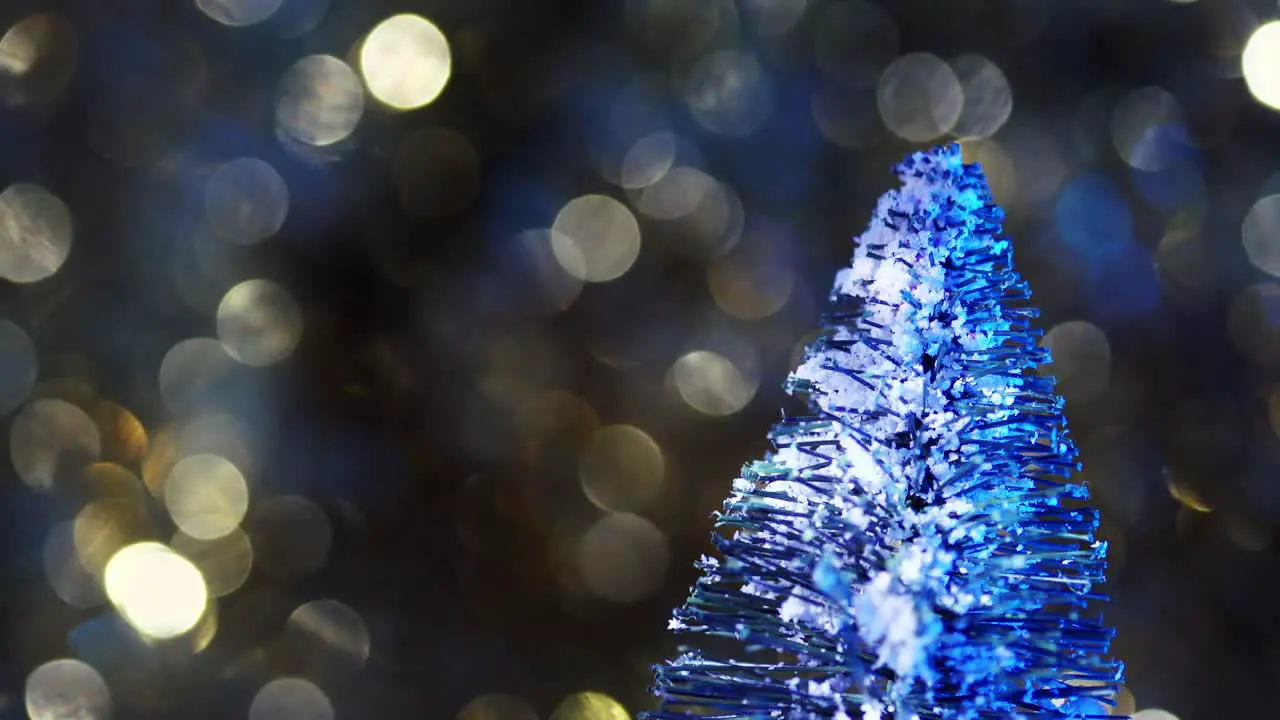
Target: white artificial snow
{"x": 888, "y": 620}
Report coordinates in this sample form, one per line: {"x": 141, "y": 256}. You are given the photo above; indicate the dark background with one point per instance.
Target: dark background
{"x": 451, "y": 410}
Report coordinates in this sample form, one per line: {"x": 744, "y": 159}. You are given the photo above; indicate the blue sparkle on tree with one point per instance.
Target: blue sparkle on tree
{"x": 913, "y": 548}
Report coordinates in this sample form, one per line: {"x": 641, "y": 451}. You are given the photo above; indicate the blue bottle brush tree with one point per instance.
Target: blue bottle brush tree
{"x": 913, "y": 548}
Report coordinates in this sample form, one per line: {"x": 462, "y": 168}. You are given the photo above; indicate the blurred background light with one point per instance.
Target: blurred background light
{"x": 291, "y": 699}
{"x": 35, "y": 233}
{"x": 238, "y": 13}
{"x": 596, "y": 235}
{"x": 246, "y": 201}
{"x": 49, "y": 439}
{"x": 711, "y": 384}
{"x": 259, "y": 322}
{"x": 497, "y": 706}
{"x": 1081, "y": 359}
{"x": 1260, "y": 233}
{"x": 206, "y": 496}
{"x": 589, "y": 705}
{"x": 1260, "y": 63}
{"x": 191, "y": 374}
{"x": 622, "y": 470}
{"x": 623, "y": 558}
{"x": 225, "y": 562}
{"x": 330, "y": 626}
{"x": 648, "y": 160}
{"x": 67, "y": 688}
{"x": 1146, "y": 126}
{"x": 320, "y": 101}
{"x": 405, "y": 61}
{"x": 1154, "y": 714}
{"x": 919, "y": 96}
{"x": 158, "y": 591}
{"x": 38, "y": 57}
{"x": 103, "y": 527}
{"x": 18, "y": 366}
{"x": 63, "y": 571}
{"x": 729, "y": 93}
{"x": 987, "y": 97}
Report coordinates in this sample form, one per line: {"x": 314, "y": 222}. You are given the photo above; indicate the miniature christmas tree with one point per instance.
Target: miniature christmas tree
{"x": 912, "y": 548}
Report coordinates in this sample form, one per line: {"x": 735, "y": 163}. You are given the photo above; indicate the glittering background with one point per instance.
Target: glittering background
{"x": 386, "y": 359}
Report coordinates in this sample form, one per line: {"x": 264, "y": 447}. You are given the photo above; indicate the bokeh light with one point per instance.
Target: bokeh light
{"x": 224, "y": 562}
{"x": 206, "y": 496}
{"x": 406, "y": 61}
{"x": 988, "y": 100}
{"x": 920, "y": 97}
{"x": 159, "y": 592}
{"x": 239, "y": 13}
{"x": 330, "y": 626}
{"x": 35, "y": 233}
{"x": 66, "y": 575}
{"x": 66, "y": 689}
{"x": 676, "y": 193}
{"x": 192, "y": 374}
{"x": 259, "y": 322}
{"x": 596, "y": 235}
{"x": 623, "y": 558}
{"x": 623, "y": 469}
{"x": 589, "y": 705}
{"x": 107, "y": 480}
{"x": 648, "y": 160}
{"x": 1145, "y": 127}
{"x": 1092, "y": 215}
{"x": 1260, "y": 234}
{"x": 749, "y": 285}
{"x": 497, "y": 706}
{"x": 18, "y": 366}
{"x": 1185, "y": 494}
{"x": 1154, "y": 714}
{"x": 1260, "y": 63}
{"x": 38, "y": 58}
{"x": 712, "y": 384}
{"x": 246, "y": 201}
{"x": 1124, "y": 703}
{"x": 124, "y": 439}
{"x": 103, "y": 527}
{"x": 291, "y": 699}
{"x": 1081, "y": 359}
{"x": 549, "y": 276}
{"x": 320, "y": 101}
{"x": 729, "y": 93}
{"x": 49, "y": 439}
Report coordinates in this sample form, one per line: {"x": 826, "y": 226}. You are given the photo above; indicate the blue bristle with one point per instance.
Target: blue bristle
{"x": 913, "y": 548}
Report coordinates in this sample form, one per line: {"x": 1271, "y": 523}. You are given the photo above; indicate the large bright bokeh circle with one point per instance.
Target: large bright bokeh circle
{"x": 1260, "y": 64}
{"x": 405, "y": 61}
{"x": 159, "y": 592}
